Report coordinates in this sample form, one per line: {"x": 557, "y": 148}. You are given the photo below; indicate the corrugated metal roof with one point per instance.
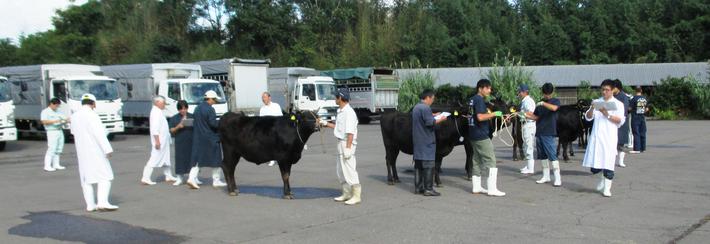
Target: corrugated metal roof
{"x": 571, "y": 75}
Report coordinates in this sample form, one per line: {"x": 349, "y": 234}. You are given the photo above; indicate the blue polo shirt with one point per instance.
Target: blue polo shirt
{"x": 638, "y": 105}
{"x": 477, "y": 130}
{"x": 423, "y": 133}
{"x": 546, "y": 124}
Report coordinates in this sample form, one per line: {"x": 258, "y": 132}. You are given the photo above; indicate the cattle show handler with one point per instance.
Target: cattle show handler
{"x": 345, "y": 130}
{"x": 601, "y": 151}
{"x": 269, "y": 109}
{"x": 623, "y": 135}
{"x": 527, "y": 105}
{"x": 545, "y": 117}
{"x": 160, "y": 143}
{"x": 183, "y": 141}
{"x": 206, "y": 148}
{"x": 483, "y": 151}
{"x": 53, "y": 121}
{"x": 424, "y": 140}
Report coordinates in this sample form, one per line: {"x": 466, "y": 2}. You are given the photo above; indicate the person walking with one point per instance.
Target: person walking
{"x": 545, "y": 117}
{"x": 160, "y": 143}
{"x": 423, "y": 122}
{"x": 623, "y": 134}
{"x": 53, "y": 121}
{"x": 269, "y": 109}
{"x": 206, "y": 149}
{"x": 600, "y": 155}
{"x": 93, "y": 150}
{"x": 639, "y": 107}
{"x": 345, "y": 130}
{"x": 183, "y": 141}
{"x": 527, "y": 105}
{"x": 483, "y": 151}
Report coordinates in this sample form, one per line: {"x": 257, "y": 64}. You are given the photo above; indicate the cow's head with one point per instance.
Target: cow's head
{"x": 306, "y": 120}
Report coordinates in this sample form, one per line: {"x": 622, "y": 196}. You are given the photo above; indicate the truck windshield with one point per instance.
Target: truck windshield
{"x": 326, "y": 91}
{"x": 194, "y": 93}
{"x": 5, "y": 94}
{"x": 101, "y": 89}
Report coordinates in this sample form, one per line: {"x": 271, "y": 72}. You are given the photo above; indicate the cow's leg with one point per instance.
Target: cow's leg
{"x": 229, "y": 163}
{"x": 571, "y": 149}
{"x": 437, "y": 170}
{"x": 285, "y": 173}
{"x": 469, "y": 159}
{"x": 391, "y": 159}
{"x": 564, "y": 144}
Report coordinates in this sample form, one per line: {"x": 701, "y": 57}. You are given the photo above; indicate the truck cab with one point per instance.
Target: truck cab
{"x": 315, "y": 93}
{"x": 8, "y": 132}
{"x": 108, "y": 102}
{"x": 192, "y": 91}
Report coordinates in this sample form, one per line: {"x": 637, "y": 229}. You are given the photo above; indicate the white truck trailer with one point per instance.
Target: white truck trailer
{"x": 372, "y": 90}
{"x": 301, "y": 89}
{"x": 8, "y": 132}
{"x": 244, "y": 79}
{"x": 34, "y": 85}
{"x": 174, "y": 81}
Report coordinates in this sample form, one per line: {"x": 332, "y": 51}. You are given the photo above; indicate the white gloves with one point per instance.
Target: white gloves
{"x": 323, "y": 123}
{"x": 347, "y": 153}
{"x": 539, "y": 103}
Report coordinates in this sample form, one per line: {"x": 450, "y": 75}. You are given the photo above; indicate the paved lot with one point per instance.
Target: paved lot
{"x": 662, "y": 196}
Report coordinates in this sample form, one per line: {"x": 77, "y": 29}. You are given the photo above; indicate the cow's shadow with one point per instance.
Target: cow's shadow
{"x": 298, "y": 192}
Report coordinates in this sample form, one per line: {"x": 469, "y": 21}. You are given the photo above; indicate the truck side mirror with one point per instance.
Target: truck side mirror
{"x": 129, "y": 86}
{"x": 23, "y": 86}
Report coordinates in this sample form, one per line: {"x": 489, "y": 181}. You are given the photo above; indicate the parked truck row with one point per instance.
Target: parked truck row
{"x": 8, "y": 132}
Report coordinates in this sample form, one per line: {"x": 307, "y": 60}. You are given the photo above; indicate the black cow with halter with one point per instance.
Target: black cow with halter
{"x": 262, "y": 139}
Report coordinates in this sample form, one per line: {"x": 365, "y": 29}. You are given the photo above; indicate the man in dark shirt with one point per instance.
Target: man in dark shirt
{"x": 639, "y": 106}
{"x": 483, "y": 153}
{"x": 545, "y": 117}
{"x": 424, "y": 140}
{"x": 623, "y": 135}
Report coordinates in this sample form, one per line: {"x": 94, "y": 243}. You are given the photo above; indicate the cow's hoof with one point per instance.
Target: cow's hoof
{"x": 390, "y": 182}
{"x": 515, "y": 159}
{"x": 396, "y": 181}
{"x": 288, "y": 197}
{"x": 439, "y": 186}
{"x": 234, "y": 194}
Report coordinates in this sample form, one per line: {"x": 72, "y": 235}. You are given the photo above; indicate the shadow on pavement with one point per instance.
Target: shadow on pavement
{"x": 298, "y": 192}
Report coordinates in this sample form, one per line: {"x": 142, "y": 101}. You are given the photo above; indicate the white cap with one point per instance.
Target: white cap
{"x": 88, "y": 96}
{"x": 211, "y": 94}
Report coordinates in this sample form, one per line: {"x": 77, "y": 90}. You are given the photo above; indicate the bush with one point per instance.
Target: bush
{"x": 674, "y": 94}
{"x": 411, "y": 87}
{"x": 585, "y": 91}
{"x": 454, "y": 96}
{"x": 666, "y": 115}
{"x": 701, "y": 93}
{"x": 507, "y": 74}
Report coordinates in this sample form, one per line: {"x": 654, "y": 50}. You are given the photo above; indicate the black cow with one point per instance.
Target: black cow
{"x": 262, "y": 139}
{"x": 397, "y": 136}
{"x": 583, "y": 105}
{"x": 569, "y": 127}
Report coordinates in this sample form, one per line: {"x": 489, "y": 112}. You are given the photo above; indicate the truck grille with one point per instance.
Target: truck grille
{"x": 108, "y": 117}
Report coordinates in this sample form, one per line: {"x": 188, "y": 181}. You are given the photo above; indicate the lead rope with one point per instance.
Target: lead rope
{"x": 320, "y": 131}
{"x": 505, "y": 128}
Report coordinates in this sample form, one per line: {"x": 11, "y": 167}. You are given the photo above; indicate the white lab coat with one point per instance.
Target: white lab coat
{"x": 601, "y": 147}
{"x": 159, "y": 126}
{"x": 91, "y": 146}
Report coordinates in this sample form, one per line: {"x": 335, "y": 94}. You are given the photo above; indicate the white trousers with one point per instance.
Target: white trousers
{"x": 345, "y": 168}
{"x": 55, "y": 146}
{"x": 528, "y": 130}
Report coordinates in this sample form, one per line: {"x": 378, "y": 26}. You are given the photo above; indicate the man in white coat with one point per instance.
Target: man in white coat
{"x": 601, "y": 148}
{"x": 269, "y": 109}
{"x": 160, "y": 143}
{"x": 93, "y": 151}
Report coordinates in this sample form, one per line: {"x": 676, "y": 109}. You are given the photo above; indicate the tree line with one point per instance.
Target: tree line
{"x": 390, "y": 33}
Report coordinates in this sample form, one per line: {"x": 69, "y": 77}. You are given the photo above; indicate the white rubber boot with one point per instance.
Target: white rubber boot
{"x": 216, "y": 178}
{"x": 178, "y": 180}
{"x": 356, "y": 198}
{"x": 192, "y": 178}
{"x": 556, "y": 171}
{"x": 104, "y": 188}
{"x": 600, "y": 186}
{"x": 88, "y": 190}
{"x": 545, "y": 172}
{"x": 530, "y": 168}
{"x": 477, "y": 188}
{"x": 48, "y": 162}
{"x": 168, "y": 174}
{"x": 492, "y": 183}
{"x": 272, "y": 162}
{"x": 145, "y": 179}
{"x": 55, "y": 163}
{"x": 607, "y": 187}
{"x": 347, "y": 193}
{"x": 622, "y": 155}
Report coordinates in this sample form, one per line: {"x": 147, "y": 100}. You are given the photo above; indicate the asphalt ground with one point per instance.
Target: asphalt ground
{"x": 662, "y": 196}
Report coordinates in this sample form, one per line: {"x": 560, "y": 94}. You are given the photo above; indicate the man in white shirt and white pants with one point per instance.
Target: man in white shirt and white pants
{"x": 345, "y": 130}
{"x": 269, "y": 109}
{"x": 160, "y": 143}
{"x": 528, "y": 128}
{"x": 92, "y": 151}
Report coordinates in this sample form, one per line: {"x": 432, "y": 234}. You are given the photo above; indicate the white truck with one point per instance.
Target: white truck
{"x": 8, "y": 132}
{"x": 301, "y": 89}
{"x": 244, "y": 80}
{"x": 372, "y": 90}
{"x": 175, "y": 81}
{"x": 34, "y": 85}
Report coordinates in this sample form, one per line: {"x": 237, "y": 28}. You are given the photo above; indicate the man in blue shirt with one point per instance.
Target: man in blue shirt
{"x": 623, "y": 135}
{"x": 639, "y": 106}
{"x": 545, "y": 117}
{"x": 483, "y": 152}
{"x": 424, "y": 141}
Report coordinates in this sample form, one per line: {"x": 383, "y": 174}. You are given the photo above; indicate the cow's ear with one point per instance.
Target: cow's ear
{"x": 293, "y": 117}
{"x": 456, "y": 113}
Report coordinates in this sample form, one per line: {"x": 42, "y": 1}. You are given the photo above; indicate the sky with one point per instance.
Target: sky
{"x": 26, "y": 17}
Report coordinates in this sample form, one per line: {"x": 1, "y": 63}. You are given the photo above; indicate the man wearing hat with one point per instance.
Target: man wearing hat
{"x": 206, "y": 149}
{"x": 528, "y": 128}
{"x": 345, "y": 130}
{"x": 93, "y": 151}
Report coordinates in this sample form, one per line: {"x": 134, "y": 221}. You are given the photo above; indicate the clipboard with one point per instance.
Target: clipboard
{"x": 187, "y": 122}
{"x": 598, "y": 104}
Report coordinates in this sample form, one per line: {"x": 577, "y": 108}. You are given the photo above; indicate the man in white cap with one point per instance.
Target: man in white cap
{"x": 93, "y": 151}
{"x": 269, "y": 109}
{"x": 160, "y": 143}
{"x": 206, "y": 149}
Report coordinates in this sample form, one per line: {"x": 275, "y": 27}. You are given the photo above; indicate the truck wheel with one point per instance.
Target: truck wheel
{"x": 2, "y": 145}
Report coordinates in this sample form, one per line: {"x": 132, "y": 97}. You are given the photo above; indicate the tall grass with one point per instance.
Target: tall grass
{"x": 411, "y": 87}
